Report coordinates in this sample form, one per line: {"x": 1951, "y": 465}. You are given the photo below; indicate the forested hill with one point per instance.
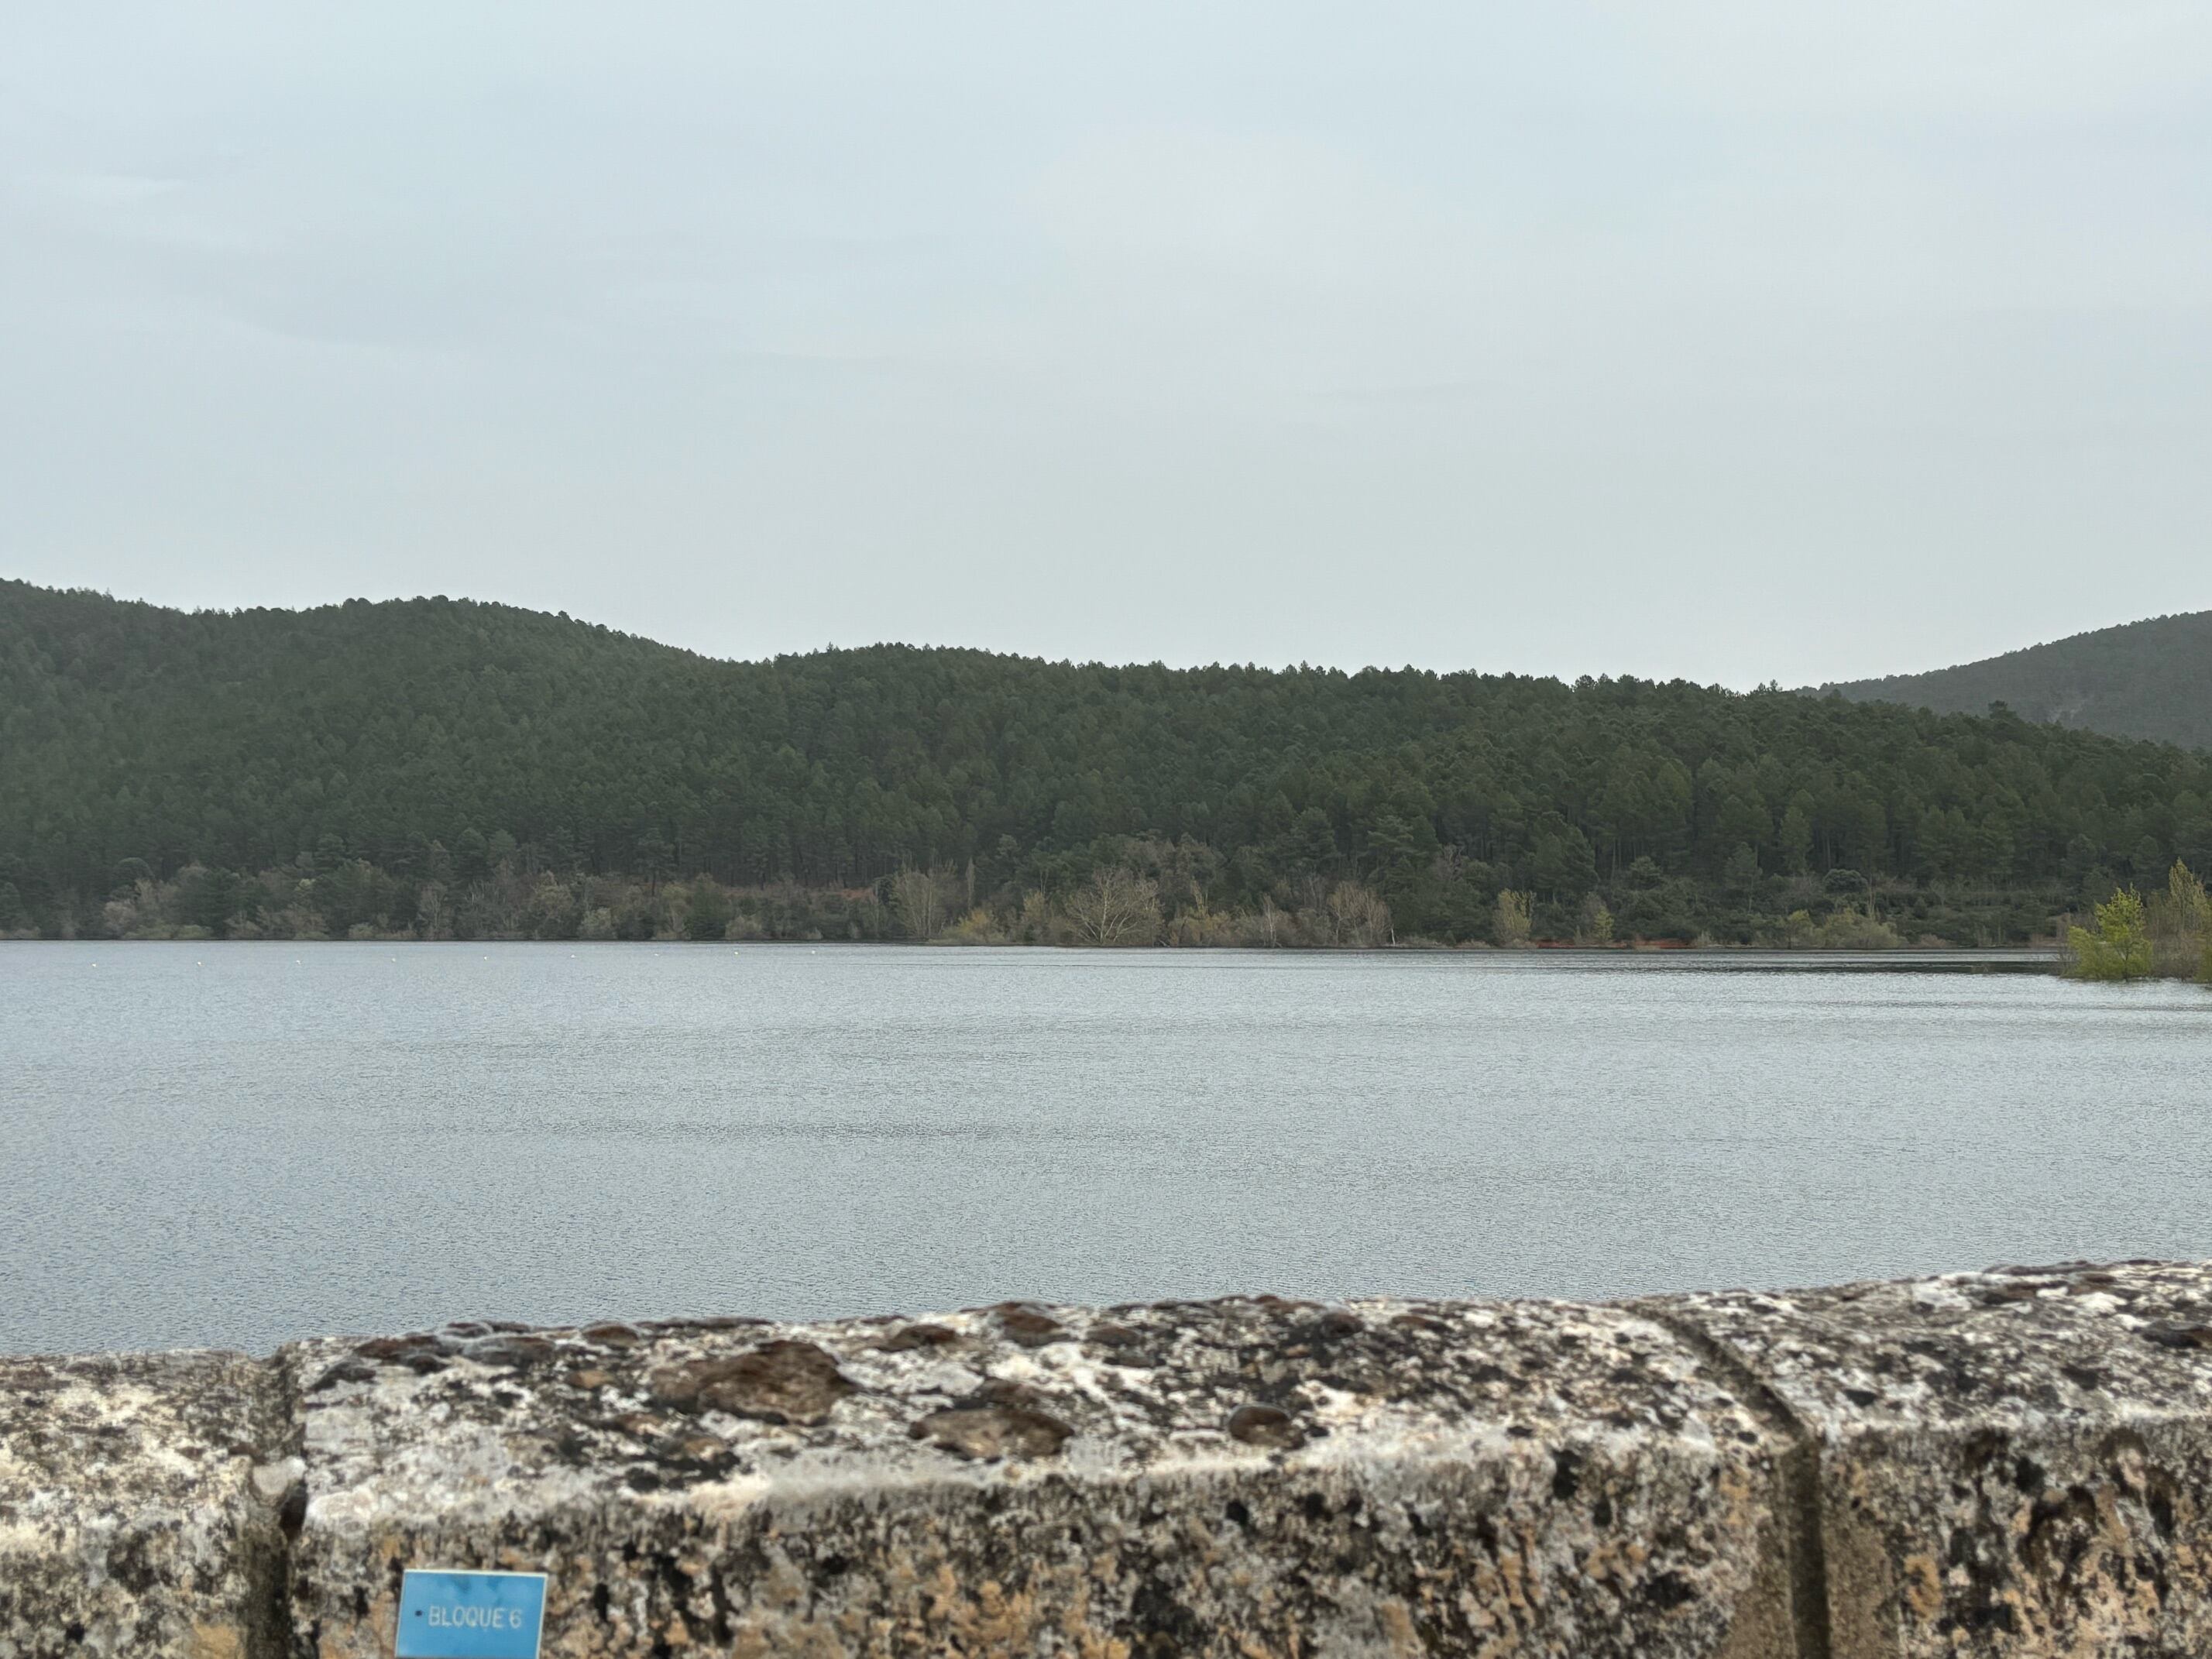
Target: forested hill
{"x": 437, "y": 766}
{"x": 2147, "y": 679}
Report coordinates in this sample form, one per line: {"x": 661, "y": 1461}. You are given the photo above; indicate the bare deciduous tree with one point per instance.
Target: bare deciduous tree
{"x": 1358, "y": 916}
{"x": 921, "y": 900}
{"x": 1115, "y": 907}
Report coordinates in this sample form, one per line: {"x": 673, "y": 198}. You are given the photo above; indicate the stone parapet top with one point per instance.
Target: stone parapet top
{"x": 137, "y": 1515}
{"x": 2016, "y": 1461}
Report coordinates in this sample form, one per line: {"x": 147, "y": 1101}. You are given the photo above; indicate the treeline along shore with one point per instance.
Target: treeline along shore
{"x": 439, "y": 768}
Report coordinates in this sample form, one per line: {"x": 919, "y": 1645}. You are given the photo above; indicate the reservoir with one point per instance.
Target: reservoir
{"x": 233, "y": 1145}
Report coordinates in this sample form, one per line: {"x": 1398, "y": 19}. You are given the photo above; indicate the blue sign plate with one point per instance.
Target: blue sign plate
{"x": 470, "y": 1615}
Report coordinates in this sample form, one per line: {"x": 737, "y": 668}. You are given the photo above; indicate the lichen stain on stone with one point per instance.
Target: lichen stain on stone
{"x": 1062, "y": 1480}
{"x": 1031, "y": 1327}
{"x": 992, "y": 1430}
{"x": 2008, "y": 1464}
{"x": 2025, "y": 1445}
{"x": 130, "y": 1521}
{"x": 779, "y": 1381}
{"x": 1923, "y": 1586}
{"x": 1265, "y": 1425}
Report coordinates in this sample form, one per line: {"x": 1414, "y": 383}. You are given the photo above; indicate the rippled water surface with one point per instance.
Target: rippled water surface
{"x": 238, "y": 1144}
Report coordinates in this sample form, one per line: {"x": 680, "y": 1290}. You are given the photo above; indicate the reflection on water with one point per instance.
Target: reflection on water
{"x": 237, "y": 1143}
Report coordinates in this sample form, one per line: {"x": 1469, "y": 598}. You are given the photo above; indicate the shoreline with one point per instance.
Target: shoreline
{"x": 1535, "y": 949}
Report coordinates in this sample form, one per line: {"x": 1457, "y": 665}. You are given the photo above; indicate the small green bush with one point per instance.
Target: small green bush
{"x": 2120, "y": 948}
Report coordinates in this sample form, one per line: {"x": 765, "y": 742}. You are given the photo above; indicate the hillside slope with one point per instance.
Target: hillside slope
{"x": 2147, "y": 679}
{"x": 440, "y": 745}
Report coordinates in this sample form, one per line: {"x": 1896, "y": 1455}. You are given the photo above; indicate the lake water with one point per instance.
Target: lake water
{"x": 238, "y": 1144}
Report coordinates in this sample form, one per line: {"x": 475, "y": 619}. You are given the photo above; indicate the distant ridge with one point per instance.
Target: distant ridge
{"x": 437, "y": 769}
{"x": 2144, "y": 679}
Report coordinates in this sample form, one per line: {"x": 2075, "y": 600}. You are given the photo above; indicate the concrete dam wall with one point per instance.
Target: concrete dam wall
{"x": 2010, "y": 1462}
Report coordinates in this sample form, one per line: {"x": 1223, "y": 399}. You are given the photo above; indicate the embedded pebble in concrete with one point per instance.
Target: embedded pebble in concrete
{"x": 2014, "y": 1462}
{"x": 136, "y": 1516}
{"x": 1249, "y": 1478}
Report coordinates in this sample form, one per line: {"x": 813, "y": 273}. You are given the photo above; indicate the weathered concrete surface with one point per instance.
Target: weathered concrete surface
{"x": 131, "y": 1519}
{"x": 1247, "y": 1478}
{"x": 2012, "y": 1463}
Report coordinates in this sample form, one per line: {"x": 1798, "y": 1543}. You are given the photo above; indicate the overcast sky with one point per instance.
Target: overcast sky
{"x": 1727, "y": 339}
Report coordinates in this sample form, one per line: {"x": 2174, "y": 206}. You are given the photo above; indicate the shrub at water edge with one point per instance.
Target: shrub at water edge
{"x": 2120, "y": 947}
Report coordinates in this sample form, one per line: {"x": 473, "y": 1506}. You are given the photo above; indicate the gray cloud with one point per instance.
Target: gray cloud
{"x": 1715, "y": 339}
